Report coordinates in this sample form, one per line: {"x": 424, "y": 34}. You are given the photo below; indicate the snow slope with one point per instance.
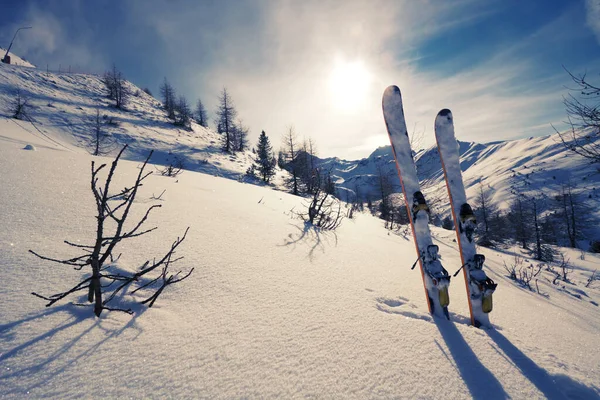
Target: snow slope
{"x": 274, "y": 309}
{"x": 533, "y": 167}
{"x": 63, "y": 106}
{"x": 16, "y": 60}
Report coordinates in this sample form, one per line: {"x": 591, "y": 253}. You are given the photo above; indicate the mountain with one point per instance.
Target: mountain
{"x": 532, "y": 166}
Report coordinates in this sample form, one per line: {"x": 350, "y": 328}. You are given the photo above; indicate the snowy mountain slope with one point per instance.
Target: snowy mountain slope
{"x": 532, "y": 167}
{"x": 63, "y": 106}
{"x": 16, "y": 60}
{"x": 274, "y": 309}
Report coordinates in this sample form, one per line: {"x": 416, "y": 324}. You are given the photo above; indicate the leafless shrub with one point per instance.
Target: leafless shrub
{"x": 523, "y": 274}
{"x": 323, "y": 211}
{"x": 591, "y": 279}
{"x": 174, "y": 167}
{"x": 159, "y": 196}
{"x": 514, "y": 267}
{"x": 565, "y": 268}
{"x": 99, "y": 255}
{"x": 101, "y": 142}
{"x": 19, "y": 106}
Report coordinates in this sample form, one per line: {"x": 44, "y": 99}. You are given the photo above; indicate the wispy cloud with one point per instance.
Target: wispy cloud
{"x": 593, "y": 16}
{"x": 500, "y": 98}
{"x": 276, "y": 59}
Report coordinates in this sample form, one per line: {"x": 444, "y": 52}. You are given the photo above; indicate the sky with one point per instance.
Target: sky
{"x": 320, "y": 67}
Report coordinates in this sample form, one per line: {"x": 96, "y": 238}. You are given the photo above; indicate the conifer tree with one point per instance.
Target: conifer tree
{"x": 265, "y": 160}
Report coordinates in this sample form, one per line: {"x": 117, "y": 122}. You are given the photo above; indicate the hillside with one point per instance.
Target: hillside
{"x": 15, "y": 59}
{"x": 62, "y": 107}
{"x": 274, "y": 308}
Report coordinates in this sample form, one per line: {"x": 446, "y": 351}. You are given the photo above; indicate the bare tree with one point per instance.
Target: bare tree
{"x": 239, "y": 136}
{"x": 322, "y": 210}
{"x": 306, "y": 165}
{"x": 183, "y": 116}
{"x": 117, "y": 88}
{"x": 484, "y": 210}
{"x": 385, "y": 188}
{"x": 583, "y": 110}
{"x": 226, "y": 114}
{"x": 201, "y": 115}
{"x": 19, "y": 106}
{"x": 519, "y": 215}
{"x": 290, "y": 155}
{"x": 101, "y": 142}
{"x": 103, "y": 284}
{"x": 167, "y": 93}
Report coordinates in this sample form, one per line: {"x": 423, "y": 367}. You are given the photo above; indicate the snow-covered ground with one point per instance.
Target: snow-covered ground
{"x": 62, "y": 107}
{"x": 274, "y": 309}
{"x": 15, "y": 59}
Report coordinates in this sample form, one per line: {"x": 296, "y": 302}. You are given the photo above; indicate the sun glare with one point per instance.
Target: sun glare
{"x": 348, "y": 84}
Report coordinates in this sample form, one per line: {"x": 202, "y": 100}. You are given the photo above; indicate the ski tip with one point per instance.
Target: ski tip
{"x": 392, "y": 89}
{"x": 443, "y": 120}
{"x": 445, "y": 112}
{"x": 392, "y": 99}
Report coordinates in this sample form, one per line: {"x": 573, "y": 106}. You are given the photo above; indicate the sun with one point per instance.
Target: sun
{"x": 348, "y": 84}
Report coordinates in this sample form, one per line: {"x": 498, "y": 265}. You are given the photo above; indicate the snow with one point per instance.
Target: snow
{"x": 16, "y": 60}
{"x": 274, "y": 309}
{"x": 62, "y": 107}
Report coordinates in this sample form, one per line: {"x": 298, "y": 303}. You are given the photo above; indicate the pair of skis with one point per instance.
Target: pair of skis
{"x": 435, "y": 277}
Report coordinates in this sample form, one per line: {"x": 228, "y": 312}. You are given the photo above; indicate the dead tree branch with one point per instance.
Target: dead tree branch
{"x": 99, "y": 255}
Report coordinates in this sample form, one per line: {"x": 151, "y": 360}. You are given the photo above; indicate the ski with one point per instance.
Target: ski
{"x": 435, "y": 277}
{"x": 479, "y": 287}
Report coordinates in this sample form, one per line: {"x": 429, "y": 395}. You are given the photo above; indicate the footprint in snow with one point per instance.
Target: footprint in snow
{"x": 400, "y": 306}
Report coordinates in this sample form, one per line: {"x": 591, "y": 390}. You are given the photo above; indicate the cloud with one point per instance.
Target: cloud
{"x": 276, "y": 59}
{"x": 501, "y": 98}
{"x": 592, "y": 8}
{"x": 49, "y": 41}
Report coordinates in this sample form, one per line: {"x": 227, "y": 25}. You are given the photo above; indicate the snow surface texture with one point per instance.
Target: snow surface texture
{"x": 274, "y": 309}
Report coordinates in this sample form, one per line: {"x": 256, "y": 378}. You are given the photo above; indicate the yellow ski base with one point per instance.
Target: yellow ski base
{"x": 444, "y": 297}
{"x": 487, "y": 304}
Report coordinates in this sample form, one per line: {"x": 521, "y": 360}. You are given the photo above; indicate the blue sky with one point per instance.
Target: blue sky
{"x": 321, "y": 66}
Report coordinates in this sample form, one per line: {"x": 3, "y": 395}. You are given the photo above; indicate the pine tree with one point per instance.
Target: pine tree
{"x": 265, "y": 160}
